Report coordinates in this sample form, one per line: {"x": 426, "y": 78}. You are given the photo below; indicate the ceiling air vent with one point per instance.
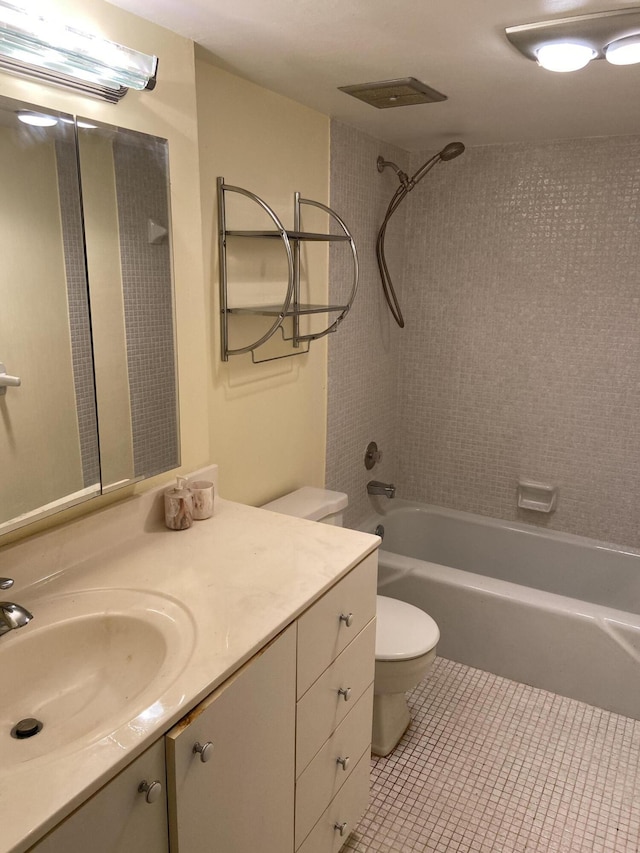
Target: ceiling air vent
{"x": 405, "y": 92}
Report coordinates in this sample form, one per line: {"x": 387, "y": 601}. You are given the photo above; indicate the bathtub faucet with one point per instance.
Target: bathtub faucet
{"x": 375, "y": 487}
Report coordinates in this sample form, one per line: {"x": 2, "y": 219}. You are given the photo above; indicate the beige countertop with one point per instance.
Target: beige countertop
{"x": 236, "y": 579}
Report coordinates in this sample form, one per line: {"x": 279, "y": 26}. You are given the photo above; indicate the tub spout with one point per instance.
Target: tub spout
{"x": 375, "y": 487}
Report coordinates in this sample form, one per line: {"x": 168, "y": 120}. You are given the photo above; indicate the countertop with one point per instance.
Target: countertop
{"x": 241, "y": 577}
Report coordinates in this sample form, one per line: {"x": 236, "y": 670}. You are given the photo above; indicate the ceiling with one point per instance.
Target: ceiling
{"x": 305, "y": 49}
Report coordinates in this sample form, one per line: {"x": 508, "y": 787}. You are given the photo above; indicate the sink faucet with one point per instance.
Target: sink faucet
{"x": 375, "y": 487}
{"x": 11, "y": 615}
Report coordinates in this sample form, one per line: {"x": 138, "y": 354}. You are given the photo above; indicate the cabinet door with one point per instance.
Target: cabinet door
{"x": 237, "y": 794}
{"x": 118, "y": 819}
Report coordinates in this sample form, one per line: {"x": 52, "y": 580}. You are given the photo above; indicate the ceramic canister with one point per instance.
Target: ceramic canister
{"x": 178, "y": 506}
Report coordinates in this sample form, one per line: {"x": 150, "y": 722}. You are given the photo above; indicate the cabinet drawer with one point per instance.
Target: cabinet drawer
{"x": 322, "y": 634}
{"x": 323, "y": 707}
{"x": 346, "y": 808}
{"x": 324, "y": 776}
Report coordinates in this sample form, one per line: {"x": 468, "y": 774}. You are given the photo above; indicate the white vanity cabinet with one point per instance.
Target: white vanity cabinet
{"x": 336, "y": 665}
{"x": 128, "y": 814}
{"x": 277, "y": 759}
{"x": 231, "y": 761}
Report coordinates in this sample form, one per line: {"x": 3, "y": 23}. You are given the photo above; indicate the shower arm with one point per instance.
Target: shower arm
{"x": 406, "y": 185}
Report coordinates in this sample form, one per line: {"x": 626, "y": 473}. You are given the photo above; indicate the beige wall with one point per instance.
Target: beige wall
{"x": 268, "y": 421}
{"x": 39, "y": 455}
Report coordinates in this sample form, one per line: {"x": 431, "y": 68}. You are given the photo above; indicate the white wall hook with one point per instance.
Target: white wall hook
{"x": 6, "y": 380}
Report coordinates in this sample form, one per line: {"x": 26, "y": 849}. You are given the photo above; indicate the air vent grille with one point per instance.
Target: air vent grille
{"x": 405, "y": 92}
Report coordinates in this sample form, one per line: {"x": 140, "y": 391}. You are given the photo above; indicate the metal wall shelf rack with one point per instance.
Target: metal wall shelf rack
{"x": 291, "y": 306}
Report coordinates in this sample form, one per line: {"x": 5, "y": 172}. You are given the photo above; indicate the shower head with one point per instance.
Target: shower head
{"x": 451, "y": 151}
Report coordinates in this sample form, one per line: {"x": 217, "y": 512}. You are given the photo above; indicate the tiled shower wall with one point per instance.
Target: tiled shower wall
{"x": 142, "y": 191}
{"x": 364, "y": 352}
{"x": 521, "y": 356}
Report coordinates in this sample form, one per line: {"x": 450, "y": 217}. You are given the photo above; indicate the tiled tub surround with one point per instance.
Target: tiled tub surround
{"x": 241, "y": 576}
{"x": 362, "y": 357}
{"x": 521, "y": 293}
{"x": 491, "y": 765}
{"x": 541, "y": 607}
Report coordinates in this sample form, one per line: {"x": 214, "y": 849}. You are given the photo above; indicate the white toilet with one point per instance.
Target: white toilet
{"x": 406, "y": 637}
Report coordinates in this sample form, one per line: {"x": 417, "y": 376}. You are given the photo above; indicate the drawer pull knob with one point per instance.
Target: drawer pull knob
{"x": 344, "y": 762}
{"x": 340, "y": 827}
{"x": 345, "y": 692}
{"x": 152, "y": 790}
{"x": 347, "y": 618}
{"x": 205, "y": 750}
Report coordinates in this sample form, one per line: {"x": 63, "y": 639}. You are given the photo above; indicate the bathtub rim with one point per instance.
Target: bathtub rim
{"x": 386, "y": 509}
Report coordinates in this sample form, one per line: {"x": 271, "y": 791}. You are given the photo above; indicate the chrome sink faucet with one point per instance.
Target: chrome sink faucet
{"x": 11, "y": 615}
{"x": 375, "y": 487}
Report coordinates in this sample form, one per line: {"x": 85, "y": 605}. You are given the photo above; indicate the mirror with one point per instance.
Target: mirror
{"x": 96, "y": 408}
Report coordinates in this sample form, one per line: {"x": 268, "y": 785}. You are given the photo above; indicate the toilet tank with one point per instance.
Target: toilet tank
{"x": 315, "y": 504}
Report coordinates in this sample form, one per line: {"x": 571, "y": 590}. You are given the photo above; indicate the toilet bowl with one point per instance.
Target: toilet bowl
{"x": 406, "y": 637}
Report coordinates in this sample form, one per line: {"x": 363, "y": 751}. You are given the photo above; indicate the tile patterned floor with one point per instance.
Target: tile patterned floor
{"x": 489, "y": 764}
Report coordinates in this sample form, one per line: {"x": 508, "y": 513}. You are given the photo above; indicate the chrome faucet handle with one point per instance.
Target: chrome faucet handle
{"x": 6, "y": 583}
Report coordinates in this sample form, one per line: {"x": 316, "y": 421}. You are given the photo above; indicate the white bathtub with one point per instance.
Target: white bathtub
{"x": 549, "y": 609}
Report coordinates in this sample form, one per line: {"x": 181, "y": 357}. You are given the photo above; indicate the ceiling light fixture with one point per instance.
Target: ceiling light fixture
{"x": 624, "y": 51}
{"x": 568, "y": 44}
{"x": 52, "y": 52}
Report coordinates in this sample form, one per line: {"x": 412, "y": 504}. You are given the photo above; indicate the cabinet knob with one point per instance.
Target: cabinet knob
{"x": 205, "y": 750}
{"x": 345, "y": 692}
{"x": 152, "y": 790}
{"x": 340, "y": 827}
{"x": 343, "y": 761}
{"x": 347, "y": 618}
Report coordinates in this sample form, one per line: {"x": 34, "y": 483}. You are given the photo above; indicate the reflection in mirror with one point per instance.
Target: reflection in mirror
{"x": 48, "y": 434}
{"x": 49, "y": 425}
{"x": 125, "y": 192}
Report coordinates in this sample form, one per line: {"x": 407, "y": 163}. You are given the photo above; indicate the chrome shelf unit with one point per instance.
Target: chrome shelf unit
{"x": 291, "y": 306}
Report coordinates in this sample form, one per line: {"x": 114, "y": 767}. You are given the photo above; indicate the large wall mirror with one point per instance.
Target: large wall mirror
{"x": 87, "y": 319}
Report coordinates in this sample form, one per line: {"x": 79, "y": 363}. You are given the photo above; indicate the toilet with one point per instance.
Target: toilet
{"x": 406, "y": 637}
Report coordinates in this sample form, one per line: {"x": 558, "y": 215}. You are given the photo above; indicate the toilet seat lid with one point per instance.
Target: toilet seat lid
{"x": 402, "y": 630}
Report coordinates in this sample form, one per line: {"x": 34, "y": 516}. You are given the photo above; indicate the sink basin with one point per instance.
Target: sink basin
{"x": 89, "y": 663}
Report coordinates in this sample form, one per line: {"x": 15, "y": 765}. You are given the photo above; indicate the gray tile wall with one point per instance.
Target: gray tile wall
{"x": 363, "y": 353}
{"x": 522, "y": 348}
{"x": 141, "y": 186}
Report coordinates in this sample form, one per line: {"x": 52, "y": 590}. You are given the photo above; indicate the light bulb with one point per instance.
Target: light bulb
{"x": 625, "y": 51}
{"x": 565, "y": 56}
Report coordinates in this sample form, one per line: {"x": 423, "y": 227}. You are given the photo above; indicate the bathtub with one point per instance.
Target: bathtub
{"x": 553, "y": 610}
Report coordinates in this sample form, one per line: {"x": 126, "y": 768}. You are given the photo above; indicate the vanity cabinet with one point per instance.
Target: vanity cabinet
{"x": 128, "y": 814}
{"x": 231, "y": 761}
{"x": 275, "y": 760}
{"x": 336, "y": 667}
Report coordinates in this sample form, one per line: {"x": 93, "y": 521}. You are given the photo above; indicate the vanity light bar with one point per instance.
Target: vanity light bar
{"x": 54, "y": 53}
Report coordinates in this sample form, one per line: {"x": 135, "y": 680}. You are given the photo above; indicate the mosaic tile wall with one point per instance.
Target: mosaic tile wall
{"x": 521, "y": 353}
{"x": 363, "y": 353}
{"x": 148, "y": 305}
